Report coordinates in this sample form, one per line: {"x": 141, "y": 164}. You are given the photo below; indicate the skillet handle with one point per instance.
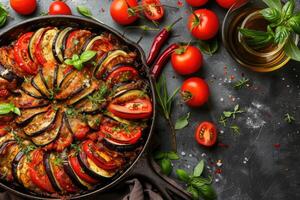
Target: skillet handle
{"x": 147, "y": 169}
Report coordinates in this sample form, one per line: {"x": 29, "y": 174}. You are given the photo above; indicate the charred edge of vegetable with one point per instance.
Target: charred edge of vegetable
{"x": 121, "y": 147}
{"x": 27, "y": 120}
{"x": 32, "y": 95}
{"x": 117, "y": 66}
{"x": 88, "y": 40}
{"x": 5, "y": 145}
{"x": 54, "y": 48}
{"x": 36, "y": 86}
{"x": 15, "y": 165}
{"x": 58, "y": 44}
{"x": 99, "y": 64}
{"x": 64, "y": 43}
{"x": 49, "y": 172}
{"x": 7, "y": 74}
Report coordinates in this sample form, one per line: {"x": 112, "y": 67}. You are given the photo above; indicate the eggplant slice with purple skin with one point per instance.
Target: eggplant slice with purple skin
{"x": 63, "y": 72}
{"x": 90, "y": 88}
{"x": 39, "y": 83}
{"x": 7, "y": 74}
{"x": 49, "y": 73}
{"x": 26, "y": 101}
{"x": 29, "y": 89}
{"x": 59, "y": 43}
{"x": 51, "y": 134}
{"x": 7, "y": 137}
{"x": 40, "y": 123}
{"x": 75, "y": 122}
{"x": 46, "y": 43}
{"x": 28, "y": 114}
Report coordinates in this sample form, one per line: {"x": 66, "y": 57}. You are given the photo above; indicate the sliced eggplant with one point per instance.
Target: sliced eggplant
{"x": 7, "y": 137}
{"x": 84, "y": 93}
{"x": 94, "y": 121}
{"x": 28, "y": 114}
{"x": 49, "y": 135}
{"x": 6, "y": 160}
{"x": 75, "y": 42}
{"x": 15, "y": 165}
{"x": 49, "y": 73}
{"x": 25, "y": 101}
{"x": 7, "y": 74}
{"x": 130, "y": 95}
{"x": 7, "y": 59}
{"x": 119, "y": 146}
{"x": 46, "y": 44}
{"x": 33, "y": 42}
{"x": 58, "y": 44}
{"x": 28, "y": 88}
{"x": 39, "y": 83}
{"x": 4, "y": 147}
{"x": 118, "y": 119}
{"x": 88, "y": 106}
{"x": 71, "y": 85}
{"x": 65, "y": 137}
{"x": 41, "y": 123}
{"x": 76, "y": 123}
{"x": 63, "y": 72}
{"x": 122, "y": 88}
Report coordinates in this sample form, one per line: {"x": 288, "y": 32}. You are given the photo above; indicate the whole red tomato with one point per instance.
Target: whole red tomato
{"x": 206, "y": 134}
{"x": 195, "y": 92}
{"x": 187, "y": 60}
{"x": 153, "y": 9}
{"x": 203, "y": 24}
{"x": 59, "y": 8}
{"x": 23, "y": 7}
{"x": 123, "y": 11}
{"x": 226, "y": 3}
{"x": 196, "y": 3}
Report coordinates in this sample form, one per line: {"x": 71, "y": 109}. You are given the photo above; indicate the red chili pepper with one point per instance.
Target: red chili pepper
{"x": 162, "y": 59}
{"x": 159, "y": 41}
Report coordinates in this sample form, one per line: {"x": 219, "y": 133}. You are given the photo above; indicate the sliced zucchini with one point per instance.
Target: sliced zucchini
{"x": 46, "y": 44}
{"x": 58, "y": 44}
{"x": 39, "y": 83}
{"x": 89, "y": 44}
{"x": 41, "y": 123}
{"x": 28, "y": 88}
{"x": 84, "y": 93}
{"x": 49, "y": 135}
{"x": 25, "y": 101}
{"x": 28, "y": 114}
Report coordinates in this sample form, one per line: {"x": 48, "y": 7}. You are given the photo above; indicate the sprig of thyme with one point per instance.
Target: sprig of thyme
{"x": 241, "y": 83}
{"x": 289, "y": 118}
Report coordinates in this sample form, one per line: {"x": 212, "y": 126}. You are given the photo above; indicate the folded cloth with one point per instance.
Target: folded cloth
{"x": 132, "y": 189}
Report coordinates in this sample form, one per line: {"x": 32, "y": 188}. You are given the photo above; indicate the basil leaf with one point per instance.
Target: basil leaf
{"x": 294, "y": 23}
{"x": 84, "y": 11}
{"x": 271, "y": 14}
{"x": 69, "y": 62}
{"x": 257, "y": 39}
{"x": 75, "y": 57}
{"x": 236, "y": 107}
{"x": 6, "y": 108}
{"x": 281, "y": 34}
{"x": 166, "y": 166}
{"x": 194, "y": 192}
{"x": 288, "y": 9}
{"x": 158, "y": 155}
{"x": 16, "y": 111}
{"x": 183, "y": 175}
{"x": 207, "y": 47}
{"x": 87, "y": 55}
{"x": 199, "y": 182}
{"x": 227, "y": 114}
{"x": 3, "y": 15}
{"x": 274, "y": 4}
{"x": 291, "y": 49}
{"x": 172, "y": 155}
{"x": 199, "y": 169}
{"x": 78, "y": 64}
{"x": 207, "y": 192}
{"x": 182, "y": 122}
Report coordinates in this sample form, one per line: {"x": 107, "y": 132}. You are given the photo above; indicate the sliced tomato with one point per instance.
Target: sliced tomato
{"x": 75, "y": 42}
{"x": 37, "y": 172}
{"x": 153, "y": 9}
{"x": 206, "y": 134}
{"x": 21, "y": 54}
{"x": 122, "y": 74}
{"x": 100, "y": 158}
{"x": 65, "y": 138}
{"x": 3, "y": 130}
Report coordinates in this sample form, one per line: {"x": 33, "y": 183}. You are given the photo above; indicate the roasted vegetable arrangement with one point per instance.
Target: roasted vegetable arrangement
{"x": 73, "y": 112}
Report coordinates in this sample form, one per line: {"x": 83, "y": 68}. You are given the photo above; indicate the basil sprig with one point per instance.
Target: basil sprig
{"x": 284, "y": 24}
{"x": 78, "y": 61}
{"x": 164, "y": 160}
{"x": 6, "y": 108}
{"x": 3, "y": 15}
{"x": 197, "y": 185}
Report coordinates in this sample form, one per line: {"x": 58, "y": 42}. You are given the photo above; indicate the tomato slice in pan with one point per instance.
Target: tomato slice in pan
{"x": 206, "y": 134}
{"x": 21, "y": 54}
{"x": 75, "y": 42}
{"x": 99, "y": 157}
{"x": 3, "y": 130}
{"x": 122, "y": 74}
{"x": 73, "y": 160}
{"x": 37, "y": 172}
{"x": 153, "y": 9}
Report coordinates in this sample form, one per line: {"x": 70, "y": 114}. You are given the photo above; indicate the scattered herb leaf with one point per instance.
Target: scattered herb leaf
{"x": 164, "y": 160}
{"x": 182, "y": 122}
{"x": 289, "y": 118}
{"x": 199, "y": 169}
{"x": 208, "y": 47}
{"x": 235, "y": 129}
{"x": 241, "y": 83}
{"x": 3, "y": 15}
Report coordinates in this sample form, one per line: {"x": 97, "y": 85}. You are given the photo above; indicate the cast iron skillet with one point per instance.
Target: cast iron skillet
{"x": 143, "y": 166}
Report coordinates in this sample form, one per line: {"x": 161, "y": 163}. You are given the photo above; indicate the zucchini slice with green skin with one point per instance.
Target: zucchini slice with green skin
{"x": 28, "y": 114}
{"x": 26, "y": 101}
{"x": 39, "y": 83}
{"x": 49, "y": 135}
{"x": 49, "y": 73}
{"x": 46, "y": 44}
{"x": 28, "y": 88}
{"x": 84, "y": 93}
{"x": 58, "y": 44}
{"x": 71, "y": 85}
{"x": 41, "y": 123}
{"x": 63, "y": 72}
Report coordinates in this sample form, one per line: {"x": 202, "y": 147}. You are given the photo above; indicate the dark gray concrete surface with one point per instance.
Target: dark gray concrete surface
{"x": 253, "y": 169}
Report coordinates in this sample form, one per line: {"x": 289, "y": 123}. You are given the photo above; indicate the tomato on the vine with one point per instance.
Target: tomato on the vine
{"x": 206, "y": 134}
{"x": 59, "y": 8}
{"x": 203, "y": 24}
{"x": 196, "y": 3}
{"x": 23, "y": 7}
{"x": 124, "y": 11}
{"x": 187, "y": 60}
{"x": 226, "y": 3}
{"x": 153, "y": 9}
{"x": 195, "y": 92}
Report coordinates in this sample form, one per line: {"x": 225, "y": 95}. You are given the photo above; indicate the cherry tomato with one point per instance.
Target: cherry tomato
{"x": 21, "y": 54}
{"x": 23, "y": 7}
{"x": 122, "y": 11}
{"x": 59, "y": 8}
{"x": 196, "y": 3}
{"x": 122, "y": 74}
{"x": 3, "y": 130}
{"x": 206, "y": 134}
{"x": 195, "y": 92}
{"x": 205, "y": 26}
{"x": 226, "y": 3}
{"x": 187, "y": 60}
{"x": 153, "y": 9}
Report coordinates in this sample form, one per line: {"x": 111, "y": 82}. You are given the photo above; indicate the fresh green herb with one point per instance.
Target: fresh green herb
{"x": 71, "y": 111}
{"x": 235, "y": 129}
{"x": 284, "y": 24}
{"x": 289, "y": 118}
{"x": 26, "y": 150}
{"x": 99, "y": 96}
{"x": 43, "y": 13}
{"x": 164, "y": 159}
{"x": 3, "y": 15}
{"x": 223, "y": 120}
{"x": 83, "y": 10}
{"x": 182, "y": 122}
{"x": 165, "y": 101}
{"x": 6, "y": 108}
{"x": 18, "y": 139}
{"x": 58, "y": 161}
{"x": 78, "y": 61}
{"x": 197, "y": 185}
{"x": 208, "y": 47}
{"x": 241, "y": 83}
{"x": 76, "y": 148}
{"x": 236, "y": 110}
